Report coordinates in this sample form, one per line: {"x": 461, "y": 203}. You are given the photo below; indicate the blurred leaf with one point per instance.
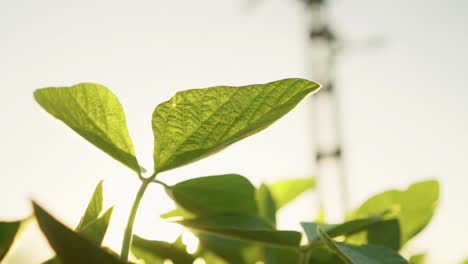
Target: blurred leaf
{"x": 266, "y": 204}
{"x": 413, "y": 208}
{"x": 94, "y": 208}
{"x": 385, "y": 233}
{"x": 368, "y": 254}
{"x": 200, "y": 122}
{"x": 244, "y": 227}
{"x": 287, "y": 190}
{"x": 344, "y": 229}
{"x": 215, "y": 194}
{"x": 281, "y": 255}
{"x": 9, "y": 232}
{"x": 96, "y": 230}
{"x": 91, "y": 226}
{"x": 69, "y": 246}
{"x": 418, "y": 259}
{"x": 155, "y": 252}
{"x": 96, "y": 114}
{"x": 177, "y": 212}
{"x": 229, "y": 250}
{"x": 323, "y": 255}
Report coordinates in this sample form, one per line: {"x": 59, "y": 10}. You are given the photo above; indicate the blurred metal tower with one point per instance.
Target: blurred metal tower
{"x": 322, "y": 51}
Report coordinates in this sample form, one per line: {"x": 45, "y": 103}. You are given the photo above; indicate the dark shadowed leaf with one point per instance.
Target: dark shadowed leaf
{"x": 413, "y": 207}
{"x": 96, "y": 114}
{"x": 215, "y": 194}
{"x": 9, "y": 231}
{"x": 91, "y": 226}
{"x": 199, "y": 122}
{"x": 70, "y": 247}
{"x": 155, "y": 252}
{"x": 368, "y": 254}
{"x": 287, "y": 190}
{"x": 244, "y": 227}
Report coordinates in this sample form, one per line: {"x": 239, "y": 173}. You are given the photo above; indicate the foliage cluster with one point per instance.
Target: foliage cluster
{"x": 234, "y": 220}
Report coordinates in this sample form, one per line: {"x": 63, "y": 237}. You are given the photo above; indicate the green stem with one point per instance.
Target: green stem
{"x": 127, "y": 240}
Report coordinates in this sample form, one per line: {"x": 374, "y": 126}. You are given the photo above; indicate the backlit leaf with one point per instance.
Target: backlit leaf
{"x": 199, "y": 122}
{"x": 96, "y": 114}
{"x": 70, "y": 247}
{"x": 155, "y": 252}
{"x": 244, "y": 227}
{"x": 266, "y": 204}
{"x": 344, "y": 229}
{"x": 368, "y": 254}
{"x": 413, "y": 207}
{"x": 287, "y": 190}
{"x": 215, "y": 194}
{"x": 94, "y": 208}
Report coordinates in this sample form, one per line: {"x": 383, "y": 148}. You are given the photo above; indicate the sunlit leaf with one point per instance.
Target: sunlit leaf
{"x": 155, "y": 252}
{"x": 244, "y": 227}
{"x": 368, "y": 254}
{"x": 177, "y": 213}
{"x": 70, "y": 247}
{"x": 96, "y": 230}
{"x": 287, "y": 190}
{"x": 418, "y": 259}
{"x": 199, "y": 122}
{"x": 215, "y": 194}
{"x": 96, "y": 114}
{"x": 413, "y": 207}
{"x": 94, "y": 208}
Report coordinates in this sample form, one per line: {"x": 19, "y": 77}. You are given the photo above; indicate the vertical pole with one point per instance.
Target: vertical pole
{"x": 323, "y": 50}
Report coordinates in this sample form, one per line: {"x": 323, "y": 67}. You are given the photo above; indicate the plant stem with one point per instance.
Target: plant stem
{"x": 127, "y": 240}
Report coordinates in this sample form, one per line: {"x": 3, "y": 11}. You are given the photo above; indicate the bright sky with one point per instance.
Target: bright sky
{"x": 404, "y": 103}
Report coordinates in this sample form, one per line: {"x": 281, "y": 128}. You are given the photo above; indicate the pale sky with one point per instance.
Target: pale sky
{"x": 404, "y": 103}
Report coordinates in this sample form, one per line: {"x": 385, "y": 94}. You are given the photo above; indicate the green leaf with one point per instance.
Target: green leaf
{"x": 9, "y": 231}
{"x": 344, "y": 229}
{"x": 70, "y": 247}
{"x": 96, "y": 114}
{"x": 323, "y": 255}
{"x": 281, "y": 255}
{"x": 287, "y": 190}
{"x": 229, "y": 193}
{"x": 92, "y": 226}
{"x": 96, "y": 230}
{"x": 94, "y": 208}
{"x": 413, "y": 207}
{"x": 368, "y": 254}
{"x": 385, "y": 233}
{"x": 199, "y": 122}
{"x": 155, "y": 252}
{"x": 229, "y": 250}
{"x": 177, "y": 213}
{"x": 418, "y": 259}
{"x": 266, "y": 204}
{"x": 244, "y": 227}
